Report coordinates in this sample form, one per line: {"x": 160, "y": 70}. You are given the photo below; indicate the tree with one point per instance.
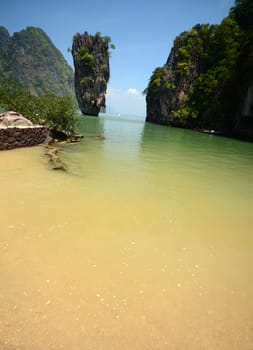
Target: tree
{"x": 56, "y": 111}
{"x": 243, "y": 12}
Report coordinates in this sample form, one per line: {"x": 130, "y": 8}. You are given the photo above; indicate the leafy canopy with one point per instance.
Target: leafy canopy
{"x": 57, "y": 112}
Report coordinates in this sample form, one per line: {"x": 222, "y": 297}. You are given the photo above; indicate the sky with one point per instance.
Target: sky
{"x": 142, "y": 31}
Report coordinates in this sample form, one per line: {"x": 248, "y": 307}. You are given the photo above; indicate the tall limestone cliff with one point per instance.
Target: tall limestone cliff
{"x": 207, "y": 81}
{"x": 169, "y": 87}
{"x": 92, "y": 71}
{"x": 30, "y": 57}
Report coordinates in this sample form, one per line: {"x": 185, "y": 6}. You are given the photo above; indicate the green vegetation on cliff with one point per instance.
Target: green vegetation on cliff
{"x": 30, "y": 58}
{"x": 208, "y": 76}
{"x": 91, "y": 60}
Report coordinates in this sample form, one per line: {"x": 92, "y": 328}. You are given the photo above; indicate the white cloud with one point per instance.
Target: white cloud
{"x": 128, "y": 101}
{"x": 133, "y": 91}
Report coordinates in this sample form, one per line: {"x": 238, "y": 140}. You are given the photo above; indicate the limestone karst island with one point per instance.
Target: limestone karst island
{"x": 92, "y": 71}
{"x": 207, "y": 80}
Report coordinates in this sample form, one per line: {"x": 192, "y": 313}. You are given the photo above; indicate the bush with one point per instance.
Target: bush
{"x": 56, "y": 111}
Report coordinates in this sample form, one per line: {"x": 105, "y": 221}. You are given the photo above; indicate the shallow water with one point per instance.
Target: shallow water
{"x": 146, "y": 243}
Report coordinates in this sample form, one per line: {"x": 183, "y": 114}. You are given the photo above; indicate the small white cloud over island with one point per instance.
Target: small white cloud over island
{"x": 126, "y": 101}
{"x": 133, "y": 91}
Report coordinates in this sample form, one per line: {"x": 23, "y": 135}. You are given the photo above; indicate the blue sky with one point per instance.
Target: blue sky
{"x": 142, "y": 31}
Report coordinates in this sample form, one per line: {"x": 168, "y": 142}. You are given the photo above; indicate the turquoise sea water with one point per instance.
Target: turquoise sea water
{"x": 146, "y": 242}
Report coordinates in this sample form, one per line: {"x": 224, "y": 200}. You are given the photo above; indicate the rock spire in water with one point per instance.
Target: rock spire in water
{"x": 92, "y": 71}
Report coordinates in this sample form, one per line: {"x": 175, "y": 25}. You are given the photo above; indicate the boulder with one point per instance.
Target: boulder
{"x": 12, "y": 118}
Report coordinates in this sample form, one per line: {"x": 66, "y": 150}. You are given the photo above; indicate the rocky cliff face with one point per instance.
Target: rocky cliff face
{"x": 244, "y": 112}
{"x": 207, "y": 81}
{"x": 30, "y": 57}
{"x": 169, "y": 87}
{"x": 92, "y": 72}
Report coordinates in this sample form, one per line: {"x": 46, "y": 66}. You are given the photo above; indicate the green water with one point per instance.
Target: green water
{"x": 146, "y": 242}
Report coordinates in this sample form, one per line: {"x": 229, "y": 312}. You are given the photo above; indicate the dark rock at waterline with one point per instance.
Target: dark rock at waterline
{"x": 74, "y": 138}
{"x": 58, "y": 135}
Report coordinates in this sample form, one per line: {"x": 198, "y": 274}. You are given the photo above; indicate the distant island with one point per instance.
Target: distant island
{"x": 30, "y": 58}
{"x": 207, "y": 81}
{"x": 92, "y": 71}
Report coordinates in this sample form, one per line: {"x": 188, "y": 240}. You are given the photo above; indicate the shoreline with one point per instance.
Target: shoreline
{"x": 242, "y": 135}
